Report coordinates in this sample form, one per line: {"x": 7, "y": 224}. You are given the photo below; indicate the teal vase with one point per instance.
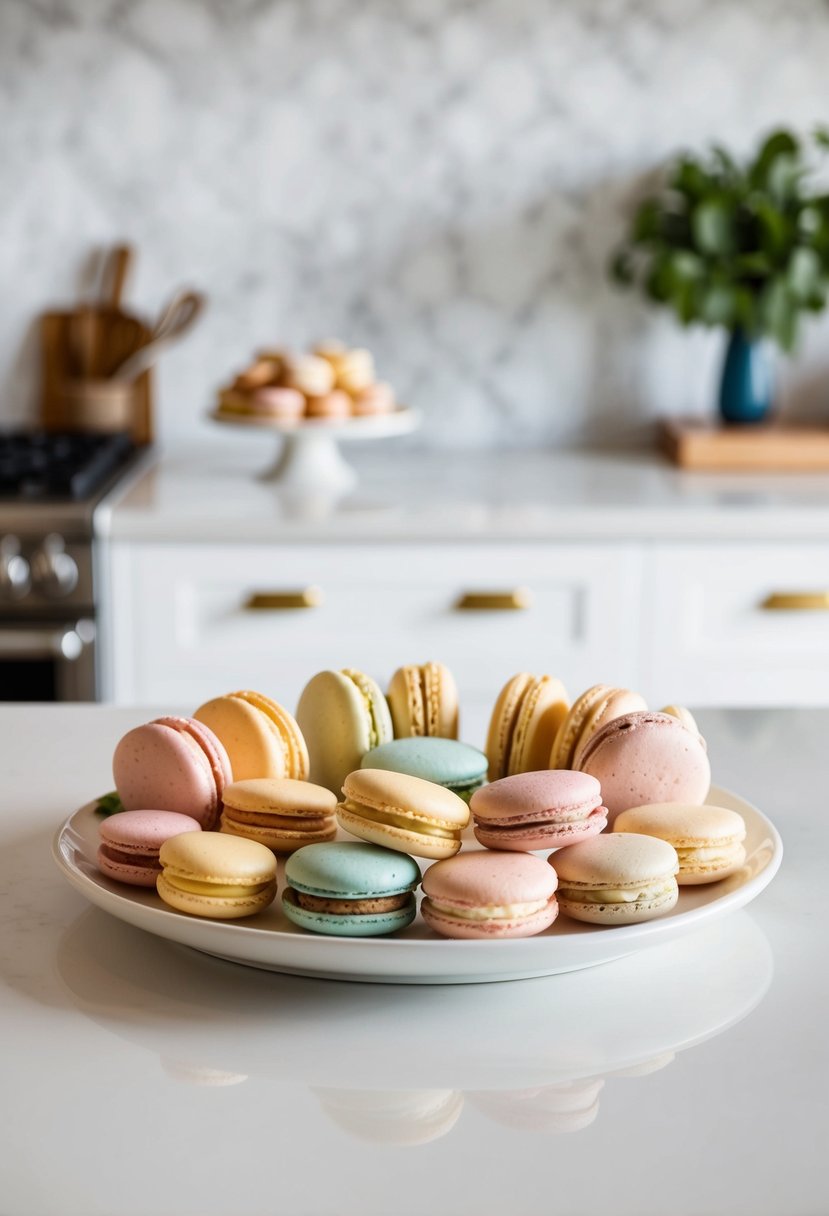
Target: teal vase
{"x": 747, "y": 384}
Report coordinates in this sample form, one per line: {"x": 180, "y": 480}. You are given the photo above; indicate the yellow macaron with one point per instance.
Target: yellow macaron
{"x": 403, "y": 813}
{"x": 525, "y": 721}
{"x": 261, "y": 738}
{"x": 279, "y": 812}
{"x": 217, "y": 876}
{"x": 423, "y": 700}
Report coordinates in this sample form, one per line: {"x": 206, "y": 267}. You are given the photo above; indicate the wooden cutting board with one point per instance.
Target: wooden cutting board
{"x": 703, "y": 444}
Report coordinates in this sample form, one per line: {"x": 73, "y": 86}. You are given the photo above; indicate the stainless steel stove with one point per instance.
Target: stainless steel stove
{"x": 50, "y": 485}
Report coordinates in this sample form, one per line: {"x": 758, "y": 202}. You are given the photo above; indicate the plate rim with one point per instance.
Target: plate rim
{"x": 629, "y": 936}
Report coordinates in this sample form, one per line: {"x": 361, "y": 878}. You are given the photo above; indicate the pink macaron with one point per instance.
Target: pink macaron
{"x": 284, "y": 404}
{"x": 130, "y": 844}
{"x": 485, "y": 894}
{"x": 542, "y": 810}
{"x": 644, "y": 758}
{"x": 173, "y": 764}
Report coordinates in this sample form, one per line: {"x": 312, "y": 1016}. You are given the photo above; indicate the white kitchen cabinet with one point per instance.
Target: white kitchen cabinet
{"x": 737, "y": 624}
{"x": 181, "y": 629}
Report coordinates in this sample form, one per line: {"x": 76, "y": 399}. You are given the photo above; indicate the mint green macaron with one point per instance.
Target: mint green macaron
{"x": 447, "y": 762}
{"x": 350, "y": 889}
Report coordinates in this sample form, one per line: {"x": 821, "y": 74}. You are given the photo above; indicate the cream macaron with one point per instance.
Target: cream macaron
{"x": 423, "y": 700}
{"x": 525, "y": 722}
{"x": 403, "y": 813}
{"x": 220, "y": 877}
{"x": 617, "y": 879}
{"x": 708, "y": 839}
{"x": 279, "y": 812}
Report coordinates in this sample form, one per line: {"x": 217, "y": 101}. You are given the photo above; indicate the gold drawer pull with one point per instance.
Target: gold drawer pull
{"x": 517, "y": 600}
{"x": 279, "y": 601}
{"x": 797, "y": 601}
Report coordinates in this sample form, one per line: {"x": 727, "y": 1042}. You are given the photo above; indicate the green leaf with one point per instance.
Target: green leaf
{"x": 713, "y": 227}
{"x": 109, "y": 804}
{"x": 804, "y": 273}
{"x": 690, "y": 178}
{"x": 719, "y": 305}
{"x": 779, "y": 312}
{"x": 774, "y": 226}
{"x": 821, "y": 135}
{"x": 779, "y": 143}
{"x": 647, "y": 221}
{"x": 784, "y": 177}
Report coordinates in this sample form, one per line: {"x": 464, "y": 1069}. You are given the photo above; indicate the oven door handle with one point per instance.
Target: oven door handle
{"x": 63, "y": 642}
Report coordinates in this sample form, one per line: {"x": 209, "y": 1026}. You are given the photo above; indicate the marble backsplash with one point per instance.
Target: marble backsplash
{"x": 439, "y": 180}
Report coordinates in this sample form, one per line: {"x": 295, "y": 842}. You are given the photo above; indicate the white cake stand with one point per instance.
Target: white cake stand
{"x": 310, "y": 460}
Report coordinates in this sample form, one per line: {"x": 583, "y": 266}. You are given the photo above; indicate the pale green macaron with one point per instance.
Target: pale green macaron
{"x": 447, "y": 762}
{"x": 350, "y": 889}
{"x": 342, "y": 715}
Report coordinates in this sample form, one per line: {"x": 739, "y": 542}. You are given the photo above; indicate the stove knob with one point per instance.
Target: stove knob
{"x": 15, "y": 575}
{"x": 54, "y": 571}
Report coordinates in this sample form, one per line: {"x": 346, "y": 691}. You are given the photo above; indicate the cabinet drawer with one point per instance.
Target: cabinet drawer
{"x": 182, "y": 630}
{"x": 715, "y": 636}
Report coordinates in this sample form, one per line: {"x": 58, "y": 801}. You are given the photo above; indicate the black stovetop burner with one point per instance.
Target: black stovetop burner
{"x": 38, "y": 465}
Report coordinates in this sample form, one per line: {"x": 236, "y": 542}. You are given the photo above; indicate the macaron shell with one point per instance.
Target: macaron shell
{"x": 211, "y": 857}
{"x": 441, "y": 701}
{"x": 447, "y": 762}
{"x": 566, "y": 741}
{"x": 684, "y": 715}
{"x": 135, "y": 874}
{"x": 557, "y": 795}
{"x": 256, "y": 739}
{"x": 694, "y": 872}
{"x": 619, "y": 914}
{"x": 284, "y": 796}
{"x": 647, "y": 758}
{"x": 373, "y": 924}
{"x": 215, "y": 907}
{"x": 488, "y": 930}
{"x": 503, "y": 721}
{"x": 616, "y": 860}
{"x": 287, "y": 731}
{"x": 405, "y": 698}
{"x": 139, "y": 835}
{"x": 388, "y": 836}
{"x": 159, "y": 766}
{"x": 539, "y": 836}
{"x": 352, "y": 870}
{"x": 616, "y": 703}
{"x": 543, "y": 708}
{"x": 209, "y": 743}
{"x": 490, "y": 879}
{"x": 339, "y": 715}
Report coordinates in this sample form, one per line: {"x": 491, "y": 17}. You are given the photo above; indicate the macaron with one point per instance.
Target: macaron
{"x": 647, "y": 757}
{"x": 398, "y": 1117}
{"x": 261, "y": 738}
{"x": 309, "y": 374}
{"x": 131, "y": 840}
{"x": 374, "y": 399}
{"x": 588, "y": 714}
{"x": 172, "y": 764}
{"x": 350, "y": 889}
{"x": 543, "y": 810}
{"x": 708, "y": 839}
{"x": 447, "y": 762}
{"x": 220, "y": 877}
{"x": 423, "y": 700}
{"x": 403, "y": 813}
{"x": 279, "y": 812}
{"x": 489, "y": 895}
{"x": 524, "y": 724}
{"x": 284, "y": 404}
{"x": 685, "y": 716}
{"x": 617, "y": 879}
{"x": 343, "y": 714}
{"x": 333, "y": 405}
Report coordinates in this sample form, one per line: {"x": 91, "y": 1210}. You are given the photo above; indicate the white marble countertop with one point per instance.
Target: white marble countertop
{"x": 144, "y": 1079}
{"x": 212, "y": 493}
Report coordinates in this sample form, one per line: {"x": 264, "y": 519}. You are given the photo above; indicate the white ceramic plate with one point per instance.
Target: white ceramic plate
{"x": 400, "y": 421}
{"x": 416, "y": 956}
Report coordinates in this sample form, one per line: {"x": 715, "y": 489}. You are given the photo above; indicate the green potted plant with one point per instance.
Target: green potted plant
{"x": 744, "y": 246}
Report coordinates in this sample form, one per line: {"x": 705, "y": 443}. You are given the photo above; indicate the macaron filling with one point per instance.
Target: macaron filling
{"x": 516, "y": 911}
{"x": 214, "y": 889}
{"x": 147, "y": 857}
{"x": 407, "y": 822}
{"x": 541, "y": 818}
{"x": 641, "y": 893}
{"x": 357, "y": 905}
